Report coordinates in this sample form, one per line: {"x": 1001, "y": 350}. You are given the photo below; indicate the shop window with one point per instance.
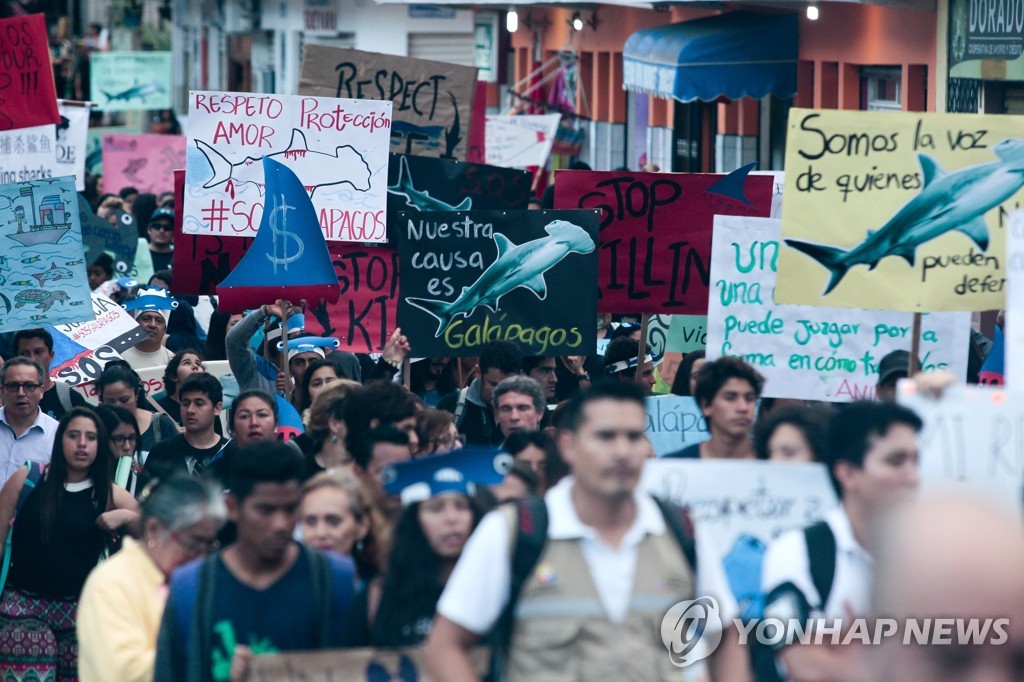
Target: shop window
{"x": 881, "y": 88}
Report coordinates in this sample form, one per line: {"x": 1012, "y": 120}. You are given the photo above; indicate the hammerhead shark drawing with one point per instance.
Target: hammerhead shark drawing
{"x": 516, "y": 266}
{"x": 140, "y": 91}
{"x": 947, "y": 201}
{"x": 421, "y": 201}
{"x": 348, "y": 164}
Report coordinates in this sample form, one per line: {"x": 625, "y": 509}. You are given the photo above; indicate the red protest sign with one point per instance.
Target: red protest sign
{"x": 655, "y": 241}
{"x": 27, "y": 94}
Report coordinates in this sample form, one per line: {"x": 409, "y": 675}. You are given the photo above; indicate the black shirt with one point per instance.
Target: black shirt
{"x": 51, "y": 405}
{"x": 161, "y": 260}
{"x": 177, "y": 456}
{"x": 689, "y": 452}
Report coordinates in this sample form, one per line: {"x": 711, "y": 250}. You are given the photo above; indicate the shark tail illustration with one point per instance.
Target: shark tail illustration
{"x": 439, "y": 310}
{"x": 220, "y": 166}
{"x": 828, "y": 256}
{"x": 109, "y": 97}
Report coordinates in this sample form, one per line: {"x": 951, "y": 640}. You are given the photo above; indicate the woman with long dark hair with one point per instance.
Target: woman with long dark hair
{"x": 120, "y": 385}
{"x": 60, "y": 522}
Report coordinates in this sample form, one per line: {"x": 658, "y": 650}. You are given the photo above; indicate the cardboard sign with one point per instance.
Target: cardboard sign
{"x": 433, "y": 101}
{"x": 419, "y": 183}
{"x": 478, "y": 276}
{"x": 82, "y": 349}
{"x": 810, "y": 352}
{"x": 145, "y": 162}
{"x": 520, "y": 141}
{"x": 743, "y": 506}
{"x": 656, "y": 232}
{"x": 43, "y": 261}
{"x": 29, "y": 154}
{"x": 350, "y": 664}
{"x": 973, "y": 436}
{"x": 72, "y": 140}
{"x": 673, "y": 423}
{"x": 898, "y": 211}
{"x": 129, "y": 81}
{"x": 336, "y": 147}
{"x": 28, "y": 97}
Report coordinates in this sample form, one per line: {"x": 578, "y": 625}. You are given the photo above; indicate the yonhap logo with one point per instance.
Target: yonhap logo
{"x": 691, "y": 630}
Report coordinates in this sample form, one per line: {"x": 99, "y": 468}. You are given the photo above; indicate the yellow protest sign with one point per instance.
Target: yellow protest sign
{"x": 898, "y": 211}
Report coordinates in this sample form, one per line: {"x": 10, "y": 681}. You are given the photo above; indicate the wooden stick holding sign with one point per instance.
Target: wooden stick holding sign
{"x": 645, "y": 321}
{"x": 915, "y": 347}
{"x": 282, "y": 359}
{"x": 406, "y": 373}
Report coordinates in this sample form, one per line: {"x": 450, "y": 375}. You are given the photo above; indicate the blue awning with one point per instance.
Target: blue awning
{"x": 734, "y": 55}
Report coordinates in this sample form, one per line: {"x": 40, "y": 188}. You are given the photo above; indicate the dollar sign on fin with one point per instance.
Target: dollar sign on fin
{"x": 281, "y": 237}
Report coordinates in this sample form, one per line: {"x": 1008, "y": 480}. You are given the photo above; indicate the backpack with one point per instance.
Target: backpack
{"x": 531, "y": 538}
{"x": 35, "y": 474}
{"x": 821, "y": 556}
{"x": 460, "y": 408}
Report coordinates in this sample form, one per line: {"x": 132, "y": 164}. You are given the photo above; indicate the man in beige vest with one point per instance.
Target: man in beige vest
{"x": 593, "y": 605}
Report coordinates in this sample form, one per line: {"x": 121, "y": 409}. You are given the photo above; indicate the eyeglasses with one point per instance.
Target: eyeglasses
{"x": 29, "y": 386}
{"x": 121, "y": 441}
{"x": 196, "y": 546}
{"x": 162, "y": 227}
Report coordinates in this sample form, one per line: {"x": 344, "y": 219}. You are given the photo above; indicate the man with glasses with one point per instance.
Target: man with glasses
{"x": 161, "y": 238}
{"x": 25, "y": 432}
{"x": 58, "y": 398}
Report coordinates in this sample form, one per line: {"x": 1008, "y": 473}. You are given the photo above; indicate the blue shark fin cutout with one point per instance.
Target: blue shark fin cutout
{"x": 731, "y": 185}
{"x": 537, "y": 285}
{"x": 288, "y": 258}
{"x": 503, "y": 244}
{"x": 977, "y": 230}
{"x": 930, "y": 168}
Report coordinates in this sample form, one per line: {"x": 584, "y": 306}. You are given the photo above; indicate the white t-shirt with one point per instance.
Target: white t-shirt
{"x": 142, "y": 360}
{"x": 478, "y": 588}
{"x": 786, "y": 561}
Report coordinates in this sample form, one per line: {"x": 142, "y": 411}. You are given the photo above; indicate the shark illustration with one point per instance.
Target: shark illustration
{"x": 421, "y": 201}
{"x": 516, "y": 266}
{"x": 348, "y": 166}
{"x": 53, "y": 274}
{"x": 947, "y": 201}
{"x": 139, "y": 91}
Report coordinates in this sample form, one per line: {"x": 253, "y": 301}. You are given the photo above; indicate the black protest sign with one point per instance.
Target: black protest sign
{"x": 470, "y": 277}
{"x": 119, "y": 239}
{"x": 420, "y": 183}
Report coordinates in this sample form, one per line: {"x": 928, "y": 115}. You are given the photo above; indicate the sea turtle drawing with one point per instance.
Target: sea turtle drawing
{"x": 43, "y": 300}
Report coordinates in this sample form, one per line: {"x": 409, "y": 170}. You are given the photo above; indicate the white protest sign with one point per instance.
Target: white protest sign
{"x": 29, "y": 154}
{"x": 809, "y": 352}
{"x": 743, "y": 506}
{"x": 338, "y": 149}
{"x": 520, "y": 141}
{"x": 73, "y": 139}
{"x": 1013, "y": 367}
{"x": 153, "y": 379}
{"x": 673, "y": 423}
{"x": 82, "y": 349}
{"x": 973, "y": 436}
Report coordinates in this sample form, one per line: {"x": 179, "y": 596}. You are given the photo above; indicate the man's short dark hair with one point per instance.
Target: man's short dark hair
{"x": 531, "y": 362}
{"x": 714, "y": 375}
{"x": 620, "y": 391}
{"x": 851, "y": 429}
{"x": 362, "y": 453}
{"x": 263, "y": 462}
{"x": 504, "y": 356}
{"x": 619, "y": 350}
{"x": 26, "y": 334}
{"x": 201, "y": 382}
{"x": 127, "y": 192}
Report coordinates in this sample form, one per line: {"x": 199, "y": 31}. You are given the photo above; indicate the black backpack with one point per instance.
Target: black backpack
{"x": 531, "y": 538}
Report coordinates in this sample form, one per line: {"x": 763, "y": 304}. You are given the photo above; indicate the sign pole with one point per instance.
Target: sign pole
{"x": 645, "y": 321}
{"x": 282, "y": 359}
{"x": 406, "y": 373}
{"x": 915, "y": 347}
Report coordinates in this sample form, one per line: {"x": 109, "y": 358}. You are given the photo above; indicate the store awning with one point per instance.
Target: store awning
{"x": 740, "y": 54}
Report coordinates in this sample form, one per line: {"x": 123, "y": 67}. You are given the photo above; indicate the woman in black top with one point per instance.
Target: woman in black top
{"x": 66, "y": 517}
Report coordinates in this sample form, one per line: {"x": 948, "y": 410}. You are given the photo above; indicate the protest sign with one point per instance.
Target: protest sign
{"x": 82, "y": 349}
{"x": 520, "y": 141}
{"x": 673, "y": 423}
{"x": 351, "y": 664}
{"x": 72, "y": 136}
{"x": 145, "y": 162}
{"x": 338, "y": 148}
{"x": 687, "y": 333}
{"x": 478, "y": 276}
{"x": 743, "y": 506}
{"x": 656, "y": 231}
{"x": 1013, "y": 366}
{"x": 120, "y": 241}
{"x": 94, "y": 146}
{"x": 433, "y": 101}
{"x": 124, "y": 81}
{"x": 898, "y": 211}
{"x": 43, "y": 267}
{"x": 29, "y": 154}
{"x": 810, "y": 352}
{"x": 28, "y": 97}
{"x": 419, "y": 183}
{"x": 973, "y": 436}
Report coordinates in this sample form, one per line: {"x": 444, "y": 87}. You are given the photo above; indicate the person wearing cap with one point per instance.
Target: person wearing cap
{"x": 891, "y": 368}
{"x": 620, "y": 360}
{"x": 161, "y": 238}
{"x": 727, "y": 394}
{"x": 437, "y": 518}
{"x": 151, "y": 308}
{"x": 301, "y": 352}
